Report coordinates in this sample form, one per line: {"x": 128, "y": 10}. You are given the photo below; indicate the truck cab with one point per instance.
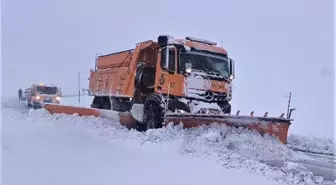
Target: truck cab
{"x": 194, "y": 70}
{"x": 40, "y": 94}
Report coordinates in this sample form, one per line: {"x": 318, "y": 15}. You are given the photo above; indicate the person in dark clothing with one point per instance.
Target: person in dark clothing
{"x": 20, "y": 94}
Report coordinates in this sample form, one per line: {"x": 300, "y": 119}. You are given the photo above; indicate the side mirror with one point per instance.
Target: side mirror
{"x": 164, "y": 39}
{"x": 232, "y": 68}
{"x": 188, "y": 67}
{"x": 165, "y": 58}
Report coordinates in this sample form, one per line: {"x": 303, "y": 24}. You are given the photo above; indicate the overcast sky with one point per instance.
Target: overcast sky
{"x": 279, "y": 46}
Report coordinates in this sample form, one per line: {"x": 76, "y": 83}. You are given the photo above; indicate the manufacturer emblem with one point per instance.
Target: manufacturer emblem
{"x": 208, "y": 95}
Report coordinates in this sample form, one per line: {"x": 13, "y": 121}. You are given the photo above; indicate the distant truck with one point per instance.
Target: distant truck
{"x": 40, "y": 94}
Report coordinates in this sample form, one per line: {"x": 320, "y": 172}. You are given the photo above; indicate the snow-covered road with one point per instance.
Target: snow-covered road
{"x": 38, "y": 148}
{"x": 321, "y": 165}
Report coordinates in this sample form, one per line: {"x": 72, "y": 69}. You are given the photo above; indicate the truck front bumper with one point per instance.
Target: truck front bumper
{"x": 39, "y": 105}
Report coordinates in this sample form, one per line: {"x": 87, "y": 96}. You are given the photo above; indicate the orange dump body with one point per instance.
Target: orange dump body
{"x": 115, "y": 60}
{"x": 115, "y": 73}
{"x": 111, "y": 73}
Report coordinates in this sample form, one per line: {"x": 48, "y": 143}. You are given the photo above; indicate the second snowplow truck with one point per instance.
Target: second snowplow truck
{"x": 186, "y": 81}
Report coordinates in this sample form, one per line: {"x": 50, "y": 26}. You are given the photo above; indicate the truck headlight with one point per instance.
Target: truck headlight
{"x": 58, "y": 98}
{"x": 38, "y": 97}
{"x": 188, "y": 70}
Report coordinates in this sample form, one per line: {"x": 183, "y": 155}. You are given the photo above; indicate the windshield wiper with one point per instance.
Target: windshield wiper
{"x": 212, "y": 72}
{"x": 198, "y": 70}
{"x": 216, "y": 72}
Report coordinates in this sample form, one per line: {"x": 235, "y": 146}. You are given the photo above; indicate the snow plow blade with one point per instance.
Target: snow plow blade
{"x": 125, "y": 119}
{"x": 271, "y": 125}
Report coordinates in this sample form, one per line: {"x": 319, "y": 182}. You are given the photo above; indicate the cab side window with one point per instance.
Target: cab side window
{"x": 171, "y": 63}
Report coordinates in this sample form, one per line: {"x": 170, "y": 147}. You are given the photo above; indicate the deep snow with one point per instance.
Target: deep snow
{"x": 43, "y": 149}
{"x": 67, "y": 149}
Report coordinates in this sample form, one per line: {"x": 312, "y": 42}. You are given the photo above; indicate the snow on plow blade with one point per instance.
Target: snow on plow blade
{"x": 271, "y": 125}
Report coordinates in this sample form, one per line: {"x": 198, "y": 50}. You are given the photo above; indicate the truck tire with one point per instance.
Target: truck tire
{"x": 110, "y": 103}
{"x": 153, "y": 113}
{"x": 101, "y": 103}
{"x": 120, "y": 106}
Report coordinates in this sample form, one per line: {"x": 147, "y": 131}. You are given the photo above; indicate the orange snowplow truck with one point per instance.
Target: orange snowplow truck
{"x": 39, "y": 94}
{"x": 168, "y": 75}
{"x": 174, "y": 80}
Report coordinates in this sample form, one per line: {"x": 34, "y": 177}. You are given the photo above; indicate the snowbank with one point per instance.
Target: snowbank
{"x": 42, "y": 149}
{"x": 312, "y": 144}
{"x": 240, "y": 148}
{"x": 229, "y": 147}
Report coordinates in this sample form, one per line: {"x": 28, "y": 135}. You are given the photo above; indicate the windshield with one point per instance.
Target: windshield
{"x": 46, "y": 90}
{"x": 207, "y": 63}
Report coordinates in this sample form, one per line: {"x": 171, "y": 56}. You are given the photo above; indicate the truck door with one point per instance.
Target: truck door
{"x": 30, "y": 94}
{"x": 167, "y": 80}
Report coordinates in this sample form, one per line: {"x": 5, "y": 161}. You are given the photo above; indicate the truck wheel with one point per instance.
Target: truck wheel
{"x": 118, "y": 105}
{"x": 96, "y": 103}
{"x": 101, "y": 103}
{"x": 153, "y": 115}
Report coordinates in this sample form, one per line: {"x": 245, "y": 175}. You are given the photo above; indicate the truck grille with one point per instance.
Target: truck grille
{"x": 217, "y": 96}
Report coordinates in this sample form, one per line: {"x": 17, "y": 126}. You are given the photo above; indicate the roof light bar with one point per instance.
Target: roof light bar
{"x": 200, "y": 40}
